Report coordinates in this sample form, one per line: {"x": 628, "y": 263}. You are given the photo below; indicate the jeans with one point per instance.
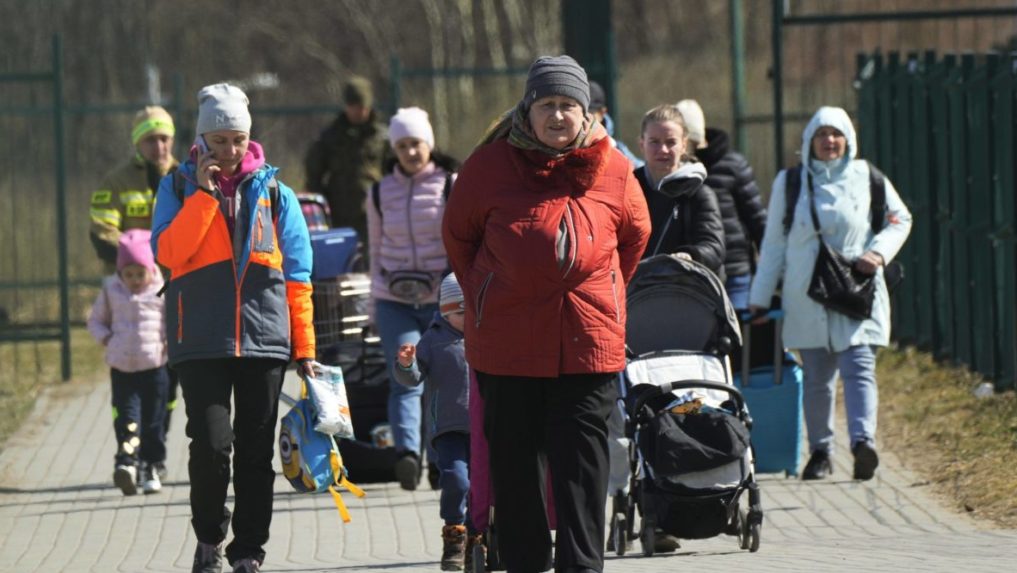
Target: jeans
{"x": 857, "y": 367}
{"x": 255, "y": 385}
{"x": 398, "y": 324}
{"x": 453, "y": 450}
{"x": 139, "y": 411}
{"x": 737, "y": 288}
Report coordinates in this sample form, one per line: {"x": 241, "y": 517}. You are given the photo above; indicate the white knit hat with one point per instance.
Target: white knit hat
{"x": 410, "y": 122}
{"x": 695, "y": 121}
{"x": 450, "y": 295}
{"x": 222, "y": 106}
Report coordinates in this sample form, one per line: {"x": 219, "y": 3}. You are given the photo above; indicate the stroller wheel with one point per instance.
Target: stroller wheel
{"x": 754, "y": 535}
{"x": 743, "y": 529}
{"x": 619, "y": 533}
{"x": 493, "y": 558}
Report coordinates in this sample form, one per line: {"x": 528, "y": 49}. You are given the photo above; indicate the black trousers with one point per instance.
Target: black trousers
{"x": 139, "y": 406}
{"x": 533, "y": 423}
{"x": 254, "y": 384}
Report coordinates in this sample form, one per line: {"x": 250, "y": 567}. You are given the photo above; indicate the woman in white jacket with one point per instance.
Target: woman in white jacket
{"x": 827, "y": 340}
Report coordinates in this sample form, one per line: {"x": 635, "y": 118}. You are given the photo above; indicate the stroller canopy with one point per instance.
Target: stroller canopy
{"x": 677, "y": 304}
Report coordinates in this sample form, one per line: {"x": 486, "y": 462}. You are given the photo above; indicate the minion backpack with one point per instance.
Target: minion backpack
{"x": 311, "y": 460}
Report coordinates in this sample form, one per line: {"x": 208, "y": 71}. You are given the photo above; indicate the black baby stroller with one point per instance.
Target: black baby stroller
{"x": 688, "y": 427}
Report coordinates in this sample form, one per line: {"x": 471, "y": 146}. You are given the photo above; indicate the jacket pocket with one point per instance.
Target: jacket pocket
{"x": 614, "y": 295}
{"x": 180, "y": 318}
{"x": 263, "y": 234}
{"x": 482, "y": 297}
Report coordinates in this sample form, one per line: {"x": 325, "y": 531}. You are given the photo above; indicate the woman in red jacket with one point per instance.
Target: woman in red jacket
{"x": 545, "y": 227}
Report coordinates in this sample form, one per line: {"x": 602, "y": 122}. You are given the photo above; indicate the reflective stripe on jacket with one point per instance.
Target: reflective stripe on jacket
{"x": 256, "y": 303}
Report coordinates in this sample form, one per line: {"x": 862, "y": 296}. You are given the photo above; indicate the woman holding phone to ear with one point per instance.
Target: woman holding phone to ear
{"x": 238, "y": 308}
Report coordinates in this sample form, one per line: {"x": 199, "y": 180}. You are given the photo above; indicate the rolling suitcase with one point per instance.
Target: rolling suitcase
{"x": 773, "y": 392}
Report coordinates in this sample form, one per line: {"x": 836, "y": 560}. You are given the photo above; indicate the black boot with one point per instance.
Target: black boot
{"x": 866, "y": 460}
{"x": 819, "y": 466}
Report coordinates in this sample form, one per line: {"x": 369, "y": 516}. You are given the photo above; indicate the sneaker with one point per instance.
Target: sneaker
{"x": 207, "y": 558}
{"x": 160, "y": 470}
{"x": 453, "y": 551}
{"x": 247, "y": 565}
{"x": 866, "y": 460}
{"x": 125, "y": 477}
{"x": 407, "y": 471}
{"x": 150, "y": 482}
{"x": 819, "y": 466}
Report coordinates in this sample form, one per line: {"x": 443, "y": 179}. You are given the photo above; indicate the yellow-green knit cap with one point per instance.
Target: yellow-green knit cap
{"x": 152, "y": 119}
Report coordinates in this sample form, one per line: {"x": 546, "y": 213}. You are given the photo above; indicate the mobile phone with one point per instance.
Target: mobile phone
{"x": 201, "y": 144}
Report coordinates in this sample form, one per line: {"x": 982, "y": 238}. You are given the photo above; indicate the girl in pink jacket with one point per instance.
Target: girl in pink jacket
{"x": 128, "y": 318}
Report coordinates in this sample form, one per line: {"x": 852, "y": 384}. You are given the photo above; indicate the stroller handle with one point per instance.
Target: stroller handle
{"x": 735, "y": 394}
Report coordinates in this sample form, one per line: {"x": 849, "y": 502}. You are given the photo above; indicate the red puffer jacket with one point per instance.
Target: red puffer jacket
{"x": 534, "y": 308}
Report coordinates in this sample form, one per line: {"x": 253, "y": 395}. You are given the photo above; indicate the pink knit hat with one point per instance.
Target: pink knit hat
{"x": 135, "y": 248}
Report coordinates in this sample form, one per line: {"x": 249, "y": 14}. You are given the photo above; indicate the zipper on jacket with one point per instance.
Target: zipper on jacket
{"x": 614, "y": 293}
{"x": 180, "y": 317}
{"x": 409, "y": 223}
{"x": 570, "y": 230}
{"x": 482, "y": 296}
{"x": 258, "y": 228}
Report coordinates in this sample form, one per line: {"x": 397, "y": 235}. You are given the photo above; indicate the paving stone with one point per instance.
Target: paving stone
{"x": 59, "y": 511}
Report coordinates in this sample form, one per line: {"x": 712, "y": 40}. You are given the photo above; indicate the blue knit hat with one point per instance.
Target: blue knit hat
{"x": 450, "y": 296}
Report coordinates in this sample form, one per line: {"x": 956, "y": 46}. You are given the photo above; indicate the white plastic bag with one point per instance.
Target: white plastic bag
{"x": 327, "y": 391}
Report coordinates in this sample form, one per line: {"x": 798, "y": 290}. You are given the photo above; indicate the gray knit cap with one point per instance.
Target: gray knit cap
{"x": 222, "y": 106}
{"x": 557, "y": 75}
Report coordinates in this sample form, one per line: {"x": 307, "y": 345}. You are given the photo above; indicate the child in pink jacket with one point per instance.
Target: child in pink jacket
{"x": 128, "y": 318}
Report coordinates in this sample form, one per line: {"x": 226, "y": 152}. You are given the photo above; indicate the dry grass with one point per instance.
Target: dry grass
{"x": 965, "y": 446}
{"x": 27, "y": 367}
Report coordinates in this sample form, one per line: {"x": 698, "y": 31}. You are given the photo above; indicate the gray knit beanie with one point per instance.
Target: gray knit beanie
{"x": 222, "y": 106}
{"x": 557, "y": 75}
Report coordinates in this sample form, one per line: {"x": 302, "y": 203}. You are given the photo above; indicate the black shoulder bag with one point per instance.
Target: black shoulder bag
{"x": 836, "y": 284}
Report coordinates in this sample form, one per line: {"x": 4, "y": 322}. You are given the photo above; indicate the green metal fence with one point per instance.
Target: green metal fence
{"x": 943, "y": 129}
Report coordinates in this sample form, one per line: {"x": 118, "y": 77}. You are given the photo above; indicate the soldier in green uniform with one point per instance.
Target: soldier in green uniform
{"x": 125, "y": 199}
{"x": 346, "y": 159}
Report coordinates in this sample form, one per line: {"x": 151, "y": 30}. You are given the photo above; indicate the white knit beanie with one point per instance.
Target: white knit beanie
{"x": 450, "y": 295}
{"x": 222, "y": 106}
{"x": 695, "y": 121}
{"x": 410, "y": 122}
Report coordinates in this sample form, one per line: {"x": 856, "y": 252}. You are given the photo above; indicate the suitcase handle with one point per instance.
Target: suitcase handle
{"x": 778, "y": 344}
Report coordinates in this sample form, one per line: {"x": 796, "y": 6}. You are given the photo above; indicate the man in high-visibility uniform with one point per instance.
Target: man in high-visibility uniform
{"x": 126, "y": 196}
{"x": 124, "y": 199}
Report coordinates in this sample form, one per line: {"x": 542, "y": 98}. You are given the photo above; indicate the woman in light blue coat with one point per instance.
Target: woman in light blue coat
{"x": 827, "y": 340}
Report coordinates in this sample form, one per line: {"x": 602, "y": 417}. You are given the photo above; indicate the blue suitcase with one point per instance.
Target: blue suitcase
{"x": 774, "y": 398}
{"x": 334, "y": 251}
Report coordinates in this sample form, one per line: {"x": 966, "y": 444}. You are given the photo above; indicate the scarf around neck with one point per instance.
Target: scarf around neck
{"x": 521, "y": 134}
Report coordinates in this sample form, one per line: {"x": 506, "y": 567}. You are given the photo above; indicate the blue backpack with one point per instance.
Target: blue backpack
{"x": 311, "y": 460}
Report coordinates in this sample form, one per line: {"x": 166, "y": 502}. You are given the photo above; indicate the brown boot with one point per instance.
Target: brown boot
{"x": 471, "y": 542}
{"x": 453, "y": 552}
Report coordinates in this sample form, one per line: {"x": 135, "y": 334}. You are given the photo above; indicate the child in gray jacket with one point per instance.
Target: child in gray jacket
{"x": 439, "y": 361}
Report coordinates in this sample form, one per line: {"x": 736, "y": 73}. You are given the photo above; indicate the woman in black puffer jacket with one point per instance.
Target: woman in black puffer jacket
{"x": 741, "y": 210}
{"x": 684, "y": 213}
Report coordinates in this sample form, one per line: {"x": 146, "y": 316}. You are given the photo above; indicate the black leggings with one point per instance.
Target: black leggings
{"x": 531, "y": 423}
{"x": 255, "y": 385}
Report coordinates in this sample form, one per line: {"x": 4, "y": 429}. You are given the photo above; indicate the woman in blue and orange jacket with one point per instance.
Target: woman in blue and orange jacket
{"x": 238, "y": 308}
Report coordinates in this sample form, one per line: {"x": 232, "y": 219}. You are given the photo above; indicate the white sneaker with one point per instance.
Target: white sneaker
{"x": 150, "y": 482}
{"x": 125, "y": 477}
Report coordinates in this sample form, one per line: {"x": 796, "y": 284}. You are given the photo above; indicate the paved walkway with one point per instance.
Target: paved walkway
{"x": 60, "y": 512}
